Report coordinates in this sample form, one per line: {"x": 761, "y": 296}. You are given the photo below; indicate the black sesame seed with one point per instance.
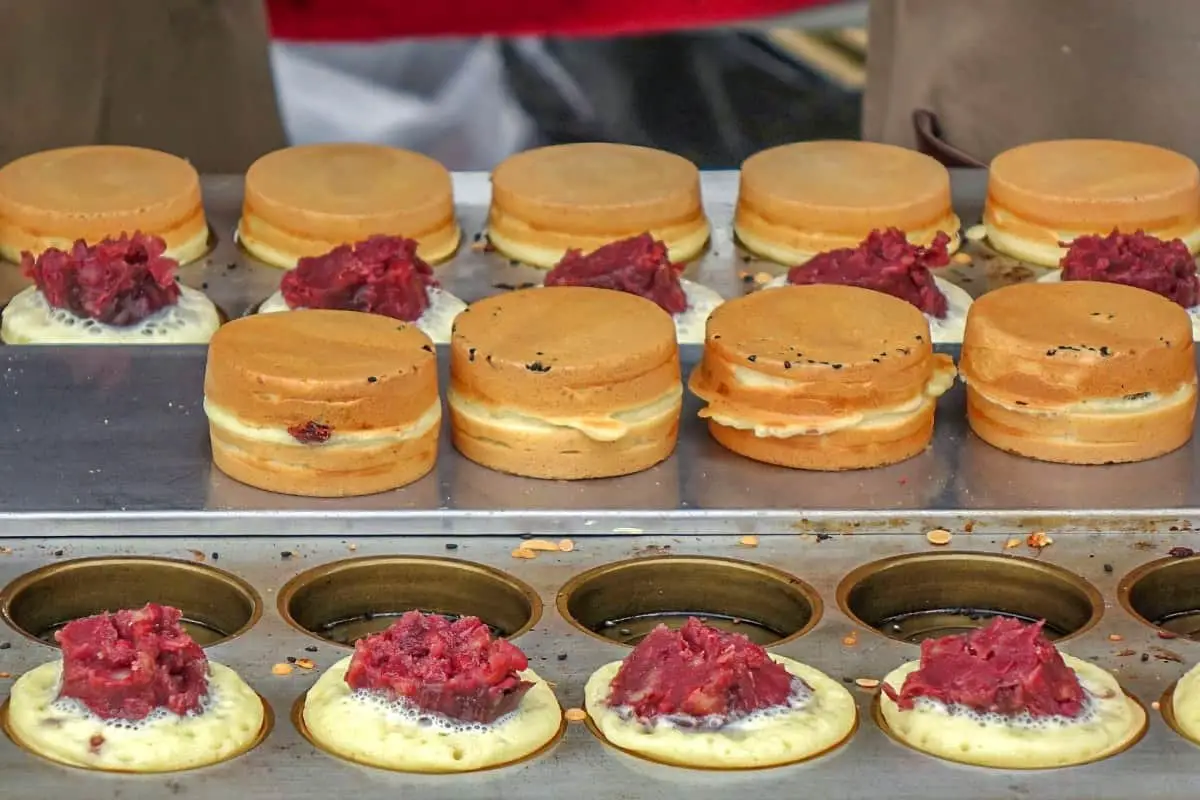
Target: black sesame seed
{"x": 312, "y": 648}
{"x": 824, "y": 537}
{"x": 286, "y": 554}
{"x": 1105, "y": 352}
{"x": 836, "y": 366}
{"x": 216, "y": 556}
{"x": 5, "y": 645}
{"x": 1108, "y": 568}
{"x": 787, "y": 365}
{"x": 231, "y": 265}
{"x": 1021, "y": 403}
{"x": 561, "y": 656}
{"x": 1145, "y": 657}
{"x": 920, "y": 338}
{"x": 537, "y": 366}
{"x": 371, "y": 379}
{"x": 58, "y": 553}
{"x": 478, "y": 236}
{"x": 428, "y": 348}
{"x": 752, "y": 359}
{"x": 291, "y": 659}
{"x": 471, "y": 355}
{"x": 1051, "y": 352}
{"x": 716, "y": 336}
{"x": 876, "y": 360}
{"x": 204, "y": 285}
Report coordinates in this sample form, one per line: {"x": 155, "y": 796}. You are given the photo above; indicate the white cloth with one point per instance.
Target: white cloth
{"x": 446, "y": 98}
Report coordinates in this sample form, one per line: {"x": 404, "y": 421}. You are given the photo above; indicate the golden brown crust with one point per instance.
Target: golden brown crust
{"x": 1050, "y": 344}
{"x": 307, "y": 200}
{"x": 52, "y": 198}
{"x": 1079, "y": 439}
{"x": 811, "y": 197}
{"x": 565, "y": 382}
{"x": 820, "y": 377}
{"x": 1040, "y": 193}
{"x": 840, "y": 450}
{"x": 371, "y": 380}
{"x": 284, "y": 369}
{"x": 551, "y": 199}
{"x": 564, "y": 350}
{"x": 318, "y": 472}
{"x": 563, "y": 453}
{"x": 849, "y": 348}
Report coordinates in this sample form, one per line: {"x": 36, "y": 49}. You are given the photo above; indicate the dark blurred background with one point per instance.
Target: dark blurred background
{"x": 714, "y": 96}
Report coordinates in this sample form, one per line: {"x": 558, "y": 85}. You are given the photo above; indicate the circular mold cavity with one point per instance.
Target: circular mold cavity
{"x": 297, "y": 716}
{"x": 622, "y": 602}
{"x": 881, "y": 723}
{"x": 911, "y": 598}
{"x": 267, "y": 726}
{"x": 1165, "y": 594}
{"x": 216, "y": 605}
{"x": 346, "y": 600}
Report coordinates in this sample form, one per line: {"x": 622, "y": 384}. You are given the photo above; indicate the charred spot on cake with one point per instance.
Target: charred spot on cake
{"x": 311, "y": 432}
{"x": 537, "y": 366}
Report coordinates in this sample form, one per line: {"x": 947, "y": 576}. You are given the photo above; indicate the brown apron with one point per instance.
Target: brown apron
{"x": 191, "y": 77}
{"x": 1000, "y": 73}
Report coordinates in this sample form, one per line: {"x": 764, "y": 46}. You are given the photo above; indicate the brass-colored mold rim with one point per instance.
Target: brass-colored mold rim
{"x": 756, "y": 578}
{"x": 881, "y": 723}
{"x": 1084, "y": 592}
{"x": 98, "y": 571}
{"x": 1128, "y": 585}
{"x": 517, "y": 591}
{"x": 595, "y": 730}
{"x": 297, "y": 716}
{"x": 265, "y": 731}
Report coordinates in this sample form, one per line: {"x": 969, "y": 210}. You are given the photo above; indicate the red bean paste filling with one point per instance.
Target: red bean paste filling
{"x": 382, "y": 275}
{"x": 311, "y": 432}
{"x": 1007, "y": 668}
{"x": 700, "y": 673}
{"x": 126, "y": 665}
{"x": 886, "y": 262}
{"x": 453, "y": 668}
{"x": 640, "y": 266}
{"x": 117, "y": 282}
{"x": 1135, "y": 259}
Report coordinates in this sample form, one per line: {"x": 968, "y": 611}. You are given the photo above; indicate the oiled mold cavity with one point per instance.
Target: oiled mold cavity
{"x": 1165, "y": 594}
{"x": 916, "y": 597}
{"x": 346, "y": 600}
{"x": 216, "y": 605}
{"x": 623, "y": 602}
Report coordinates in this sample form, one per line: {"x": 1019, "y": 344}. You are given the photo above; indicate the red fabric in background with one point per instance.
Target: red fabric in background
{"x": 366, "y": 20}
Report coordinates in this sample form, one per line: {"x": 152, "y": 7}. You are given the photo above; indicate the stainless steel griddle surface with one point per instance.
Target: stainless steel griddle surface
{"x": 871, "y": 766}
{"x": 107, "y": 440}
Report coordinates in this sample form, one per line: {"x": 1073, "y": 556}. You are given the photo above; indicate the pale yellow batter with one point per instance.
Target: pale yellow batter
{"x": 1116, "y": 722}
{"x": 370, "y": 731}
{"x": 782, "y": 737}
{"x": 30, "y": 319}
{"x": 231, "y": 723}
{"x": 1185, "y": 702}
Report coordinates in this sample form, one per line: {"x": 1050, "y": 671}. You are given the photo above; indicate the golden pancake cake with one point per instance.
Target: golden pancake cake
{"x": 798, "y": 200}
{"x": 307, "y": 200}
{"x": 583, "y": 196}
{"x": 322, "y": 403}
{"x": 56, "y": 197}
{"x": 1042, "y": 196}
